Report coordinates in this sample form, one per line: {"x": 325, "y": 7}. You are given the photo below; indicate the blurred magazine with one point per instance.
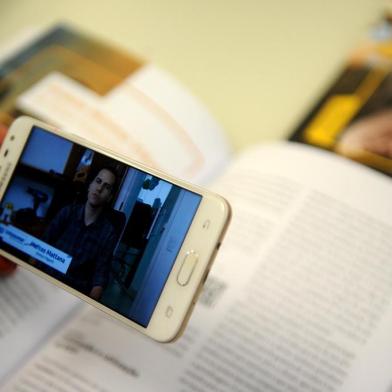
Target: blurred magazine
{"x": 112, "y": 98}
{"x": 299, "y": 298}
{"x": 354, "y": 117}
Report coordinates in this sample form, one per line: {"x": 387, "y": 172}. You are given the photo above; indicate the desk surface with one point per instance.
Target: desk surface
{"x": 257, "y": 65}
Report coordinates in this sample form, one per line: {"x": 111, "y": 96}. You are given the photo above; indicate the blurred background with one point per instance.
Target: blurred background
{"x": 257, "y": 65}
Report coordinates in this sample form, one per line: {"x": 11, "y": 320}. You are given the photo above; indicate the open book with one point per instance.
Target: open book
{"x": 299, "y": 298}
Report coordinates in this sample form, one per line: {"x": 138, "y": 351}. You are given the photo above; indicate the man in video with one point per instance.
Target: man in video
{"x": 86, "y": 232}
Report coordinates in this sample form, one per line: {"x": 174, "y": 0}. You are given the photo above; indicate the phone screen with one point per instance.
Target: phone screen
{"x": 106, "y": 229}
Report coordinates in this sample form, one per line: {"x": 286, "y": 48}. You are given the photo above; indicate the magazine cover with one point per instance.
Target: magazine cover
{"x": 354, "y": 117}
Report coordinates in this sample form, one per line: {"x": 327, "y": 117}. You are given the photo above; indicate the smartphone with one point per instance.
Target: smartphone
{"x": 128, "y": 239}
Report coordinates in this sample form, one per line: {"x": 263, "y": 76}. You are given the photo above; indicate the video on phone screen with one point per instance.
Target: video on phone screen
{"x": 108, "y": 230}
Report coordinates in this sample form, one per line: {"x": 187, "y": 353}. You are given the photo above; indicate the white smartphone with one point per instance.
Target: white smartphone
{"x": 128, "y": 239}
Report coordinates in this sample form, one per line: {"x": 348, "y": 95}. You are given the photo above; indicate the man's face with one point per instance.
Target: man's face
{"x": 101, "y": 188}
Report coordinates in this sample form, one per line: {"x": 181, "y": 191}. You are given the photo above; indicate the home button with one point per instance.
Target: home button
{"x": 187, "y": 268}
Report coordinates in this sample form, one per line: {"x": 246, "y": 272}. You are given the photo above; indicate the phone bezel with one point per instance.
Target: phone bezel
{"x": 205, "y": 241}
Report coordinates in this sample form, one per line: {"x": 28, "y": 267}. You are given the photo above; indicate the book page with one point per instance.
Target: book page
{"x": 299, "y": 298}
{"x": 30, "y": 308}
